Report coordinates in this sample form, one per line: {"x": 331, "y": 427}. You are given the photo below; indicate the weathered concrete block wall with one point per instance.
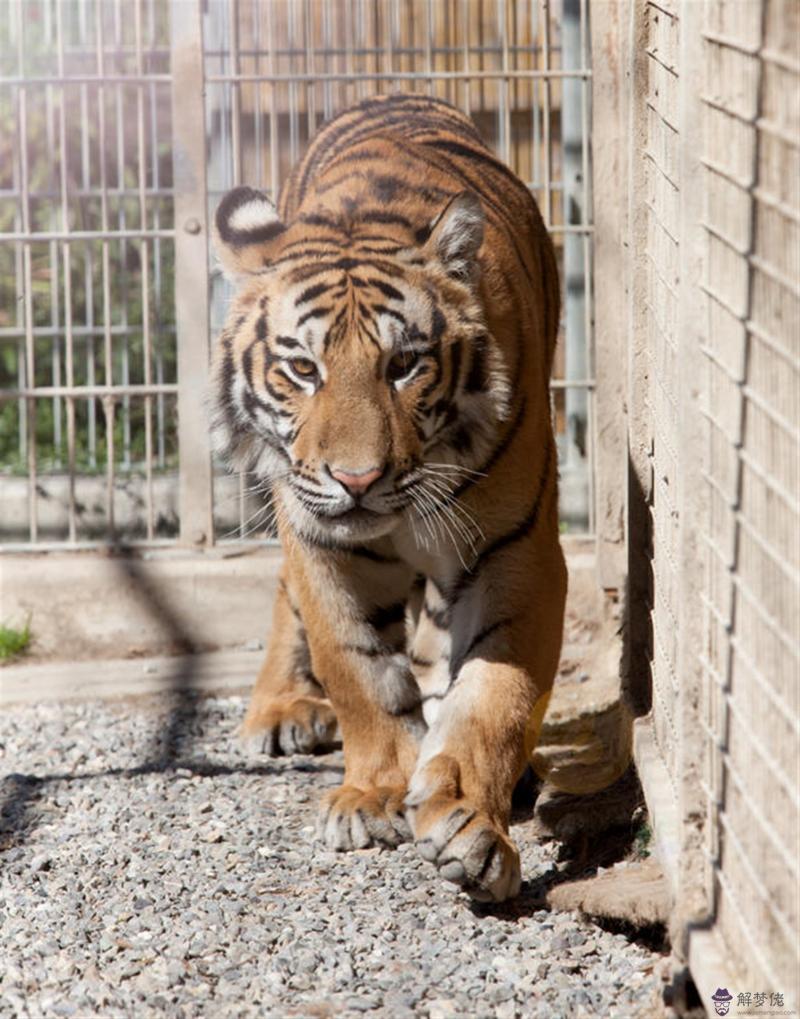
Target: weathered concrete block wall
{"x": 707, "y": 212}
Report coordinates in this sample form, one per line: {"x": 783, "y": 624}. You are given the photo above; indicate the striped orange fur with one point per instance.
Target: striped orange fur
{"x": 384, "y": 373}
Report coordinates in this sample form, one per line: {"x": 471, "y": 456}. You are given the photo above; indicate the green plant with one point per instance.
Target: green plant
{"x": 13, "y": 641}
{"x": 642, "y": 841}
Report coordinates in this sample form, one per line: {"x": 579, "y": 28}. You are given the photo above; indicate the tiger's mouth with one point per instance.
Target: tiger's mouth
{"x": 347, "y": 523}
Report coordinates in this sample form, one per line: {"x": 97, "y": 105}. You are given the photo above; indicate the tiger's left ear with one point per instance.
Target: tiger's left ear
{"x": 457, "y": 234}
{"x": 245, "y": 225}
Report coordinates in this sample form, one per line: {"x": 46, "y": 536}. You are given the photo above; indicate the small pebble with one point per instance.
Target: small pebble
{"x": 153, "y": 867}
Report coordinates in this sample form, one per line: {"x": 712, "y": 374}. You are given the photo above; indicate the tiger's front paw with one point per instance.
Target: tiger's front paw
{"x": 353, "y": 818}
{"x": 467, "y": 848}
{"x": 297, "y": 725}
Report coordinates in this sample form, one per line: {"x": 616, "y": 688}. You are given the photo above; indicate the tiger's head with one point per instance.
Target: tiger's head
{"x": 355, "y": 367}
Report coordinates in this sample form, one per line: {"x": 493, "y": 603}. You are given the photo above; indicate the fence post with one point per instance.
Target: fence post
{"x": 191, "y": 271}
{"x": 609, "y": 162}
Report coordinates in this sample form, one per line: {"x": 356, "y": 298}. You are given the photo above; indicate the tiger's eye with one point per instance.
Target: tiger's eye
{"x": 303, "y": 367}
{"x": 401, "y": 364}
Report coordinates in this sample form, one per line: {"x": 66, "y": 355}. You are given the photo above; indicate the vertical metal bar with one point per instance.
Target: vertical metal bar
{"x": 535, "y": 127}
{"x": 108, "y": 349}
{"x": 588, "y": 331}
{"x": 327, "y": 95}
{"x": 429, "y": 30}
{"x": 547, "y": 212}
{"x": 573, "y": 121}
{"x": 235, "y": 87}
{"x": 27, "y": 278}
{"x": 274, "y": 162}
{"x": 236, "y": 144}
{"x": 157, "y": 255}
{"x": 308, "y": 28}
{"x": 503, "y": 114}
{"x": 465, "y": 54}
{"x": 145, "y": 277}
{"x": 257, "y": 87}
{"x": 88, "y": 264}
{"x": 125, "y": 374}
{"x": 294, "y": 127}
{"x": 348, "y": 51}
{"x": 191, "y": 276}
{"x": 388, "y": 37}
{"x": 55, "y": 287}
{"x": 69, "y": 353}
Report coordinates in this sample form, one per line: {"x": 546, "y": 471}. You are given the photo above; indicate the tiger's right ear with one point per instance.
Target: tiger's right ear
{"x": 245, "y": 225}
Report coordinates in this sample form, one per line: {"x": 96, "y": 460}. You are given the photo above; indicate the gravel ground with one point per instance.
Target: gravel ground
{"x": 133, "y": 889}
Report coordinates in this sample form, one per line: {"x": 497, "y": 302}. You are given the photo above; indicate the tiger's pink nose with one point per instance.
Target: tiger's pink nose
{"x": 357, "y": 482}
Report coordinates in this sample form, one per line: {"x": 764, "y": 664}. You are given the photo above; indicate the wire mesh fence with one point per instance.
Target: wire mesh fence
{"x": 86, "y": 314}
{"x": 92, "y": 323}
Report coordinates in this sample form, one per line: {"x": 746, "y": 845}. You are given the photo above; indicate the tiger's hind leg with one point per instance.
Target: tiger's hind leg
{"x": 288, "y": 712}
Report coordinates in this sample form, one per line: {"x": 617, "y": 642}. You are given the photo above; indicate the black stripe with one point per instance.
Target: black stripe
{"x": 287, "y": 341}
{"x": 383, "y": 309}
{"x": 378, "y": 651}
{"x": 455, "y": 369}
{"x": 313, "y": 313}
{"x": 438, "y": 324}
{"x": 367, "y": 249}
{"x": 381, "y": 216}
{"x": 228, "y": 376}
{"x": 456, "y": 663}
{"x": 476, "y": 379}
{"x": 439, "y": 617}
{"x": 387, "y": 289}
{"x": 273, "y": 392}
{"x": 363, "y": 552}
{"x": 311, "y": 292}
{"x": 389, "y": 615}
{"x": 295, "y": 610}
{"x": 481, "y": 155}
{"x": 523, "y": 528}
{"x": 316, "y": 219}
{"x": 329, "y": 334}
{"x": 497, "y": 452}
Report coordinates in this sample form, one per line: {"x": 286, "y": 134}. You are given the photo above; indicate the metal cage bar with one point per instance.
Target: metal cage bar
{"x": 103, "y": 216}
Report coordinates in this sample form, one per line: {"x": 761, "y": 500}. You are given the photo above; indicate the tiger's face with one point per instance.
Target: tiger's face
{"x": 348, "y": 379}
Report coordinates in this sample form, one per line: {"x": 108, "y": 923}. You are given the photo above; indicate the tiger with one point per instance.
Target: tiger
{"x": 383, "y": 374}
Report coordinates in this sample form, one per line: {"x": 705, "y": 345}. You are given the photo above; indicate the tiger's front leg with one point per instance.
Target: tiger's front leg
{"x": 288, "y": 711}
{"x": 355, "y": 615}
{"x": 484, "y": 693}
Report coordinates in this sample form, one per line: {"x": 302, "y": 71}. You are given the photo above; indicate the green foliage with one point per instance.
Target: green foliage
{"x": 119, "y": 289}
{"x": 642, "y": 841}
{"x": 13, "y": 641}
